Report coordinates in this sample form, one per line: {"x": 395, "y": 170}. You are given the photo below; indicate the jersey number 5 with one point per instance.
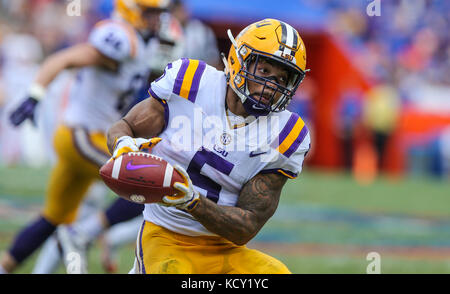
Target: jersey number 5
{"x": 202, "y": 157}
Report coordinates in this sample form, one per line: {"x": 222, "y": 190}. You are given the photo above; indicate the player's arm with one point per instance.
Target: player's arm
{"x": 108, "y": 45}
{"x": 145, "y": 120}
{"x": 257, "y": 202}
{"x": 74, "y": 57}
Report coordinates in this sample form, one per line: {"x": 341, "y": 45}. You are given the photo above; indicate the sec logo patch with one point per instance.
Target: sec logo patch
{"x": 137, "y": 198}
{"x": 225, "y": 139}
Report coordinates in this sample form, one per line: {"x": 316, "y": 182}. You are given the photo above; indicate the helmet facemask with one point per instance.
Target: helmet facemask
{"x": 263, "y": 105}
{"x": 280, "y": 45}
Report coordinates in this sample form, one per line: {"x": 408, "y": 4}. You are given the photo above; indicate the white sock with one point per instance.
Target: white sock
{"x": 123, "y": 233}
{"x": 48, "y": 259}
{"x": 91, "y": 227}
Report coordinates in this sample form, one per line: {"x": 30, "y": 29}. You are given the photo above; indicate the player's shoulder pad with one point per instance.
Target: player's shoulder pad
{"x": 294, "y": 136}
{"x": 181, "y": 78}
{"x": 115, "y": 39}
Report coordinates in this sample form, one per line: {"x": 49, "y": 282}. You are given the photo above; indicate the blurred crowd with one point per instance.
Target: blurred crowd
{"x": 49, "y": 22}
{"x": 404, "y": 51}
{"x": 409, "y": 39}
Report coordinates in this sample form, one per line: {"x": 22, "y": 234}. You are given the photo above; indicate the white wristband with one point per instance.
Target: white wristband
{"x": 37, "y": 91}
{"x": 119, "y": 139}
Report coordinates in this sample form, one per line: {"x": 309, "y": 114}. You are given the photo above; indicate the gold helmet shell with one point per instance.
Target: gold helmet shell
{"x": 130, "y": 10}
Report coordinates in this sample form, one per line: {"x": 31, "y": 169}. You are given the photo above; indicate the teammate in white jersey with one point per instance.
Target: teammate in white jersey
{"x": 113, "y": 64}
{"x": 212, "y": 126}
{"x": 91, "y": 222}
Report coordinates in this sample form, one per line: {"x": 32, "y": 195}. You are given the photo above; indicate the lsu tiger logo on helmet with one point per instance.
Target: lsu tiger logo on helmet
{"x": 272, "y": 39}
{"x": 132, "y": 10}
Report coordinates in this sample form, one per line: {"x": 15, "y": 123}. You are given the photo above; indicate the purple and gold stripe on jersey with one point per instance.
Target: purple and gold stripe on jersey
{"x": 188, "y": 79}
{"x": 291, "y": 136}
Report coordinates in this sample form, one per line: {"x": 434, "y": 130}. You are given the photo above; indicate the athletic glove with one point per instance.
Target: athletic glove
{"x": 127, "y": 144}
{"x": 188, "y": 198}
{"x": 27, "y": 108}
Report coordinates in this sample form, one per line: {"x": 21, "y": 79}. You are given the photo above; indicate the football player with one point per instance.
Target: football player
{"x": 20, "y": 55}
{"x": 80, "y": 235}
{"x": 112, "y": 65}
{"x": 229, "y": 193}
{"x": 93, "y": 219}
{"x": 52, "y": 254}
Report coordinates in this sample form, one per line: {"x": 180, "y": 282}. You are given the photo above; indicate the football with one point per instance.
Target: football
{"x": 140, "y": 177}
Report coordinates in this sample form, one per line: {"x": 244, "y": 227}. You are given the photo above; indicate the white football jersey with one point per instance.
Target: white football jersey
{"x": 99, "y": 96}
{"x": 219, "y": 159}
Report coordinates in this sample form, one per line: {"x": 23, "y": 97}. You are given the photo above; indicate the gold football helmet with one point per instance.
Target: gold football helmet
{"x": 133, "y": 10}
{"x": 271, "y": 39}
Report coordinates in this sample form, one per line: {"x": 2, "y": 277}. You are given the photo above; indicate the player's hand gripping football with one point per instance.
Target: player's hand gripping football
{"x": 188, "y": 198}
{"x": 127, "y": 144}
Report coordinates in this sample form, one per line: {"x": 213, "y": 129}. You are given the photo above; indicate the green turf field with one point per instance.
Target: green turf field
{"x": 325, "y": 223}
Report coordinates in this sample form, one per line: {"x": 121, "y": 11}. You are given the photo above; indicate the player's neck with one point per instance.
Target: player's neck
{"x": 234, "y": 104}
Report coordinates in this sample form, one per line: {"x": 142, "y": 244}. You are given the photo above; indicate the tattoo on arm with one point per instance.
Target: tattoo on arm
{"x": 261, "y": 195}
{"x": 257, "y": 202}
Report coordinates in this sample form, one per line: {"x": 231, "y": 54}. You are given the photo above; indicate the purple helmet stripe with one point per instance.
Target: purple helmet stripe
{"x": 283, "y": 35}
{"x": 295, "y": 43}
